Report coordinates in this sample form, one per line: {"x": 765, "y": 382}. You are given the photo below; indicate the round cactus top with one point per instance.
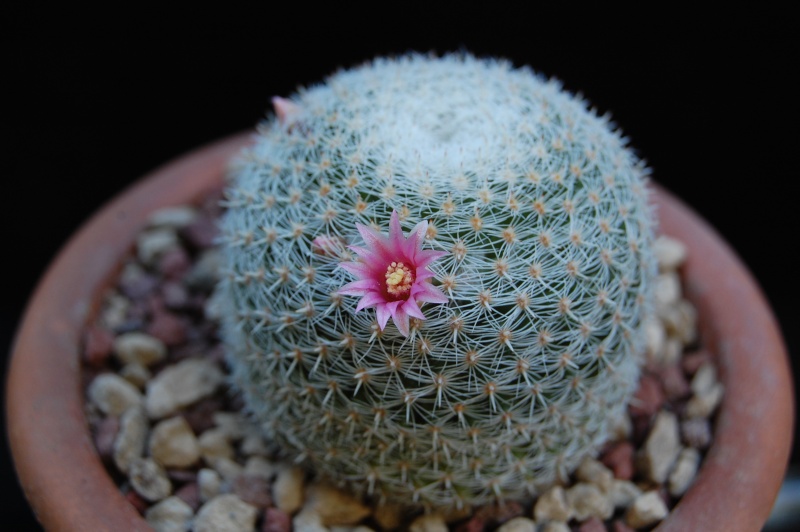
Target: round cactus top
{"x": 437, "y": 272}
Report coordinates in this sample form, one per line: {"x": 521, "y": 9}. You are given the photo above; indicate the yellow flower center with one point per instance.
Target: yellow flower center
{"x": 399, "y": 279}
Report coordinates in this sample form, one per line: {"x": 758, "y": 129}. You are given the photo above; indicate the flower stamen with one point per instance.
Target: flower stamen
{"x": 399, "y": 279}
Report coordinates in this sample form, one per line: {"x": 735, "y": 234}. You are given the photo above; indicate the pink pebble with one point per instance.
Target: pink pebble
{"x": 648, "y": 398}
{"x": 619, "y": 459}
{"x": 276, "y": 521}
{"x": 97, "y": 345}
{"x": 593, "y": 524}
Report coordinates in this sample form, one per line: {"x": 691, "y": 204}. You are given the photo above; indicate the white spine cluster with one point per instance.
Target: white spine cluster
{"x": 543, "y": 211}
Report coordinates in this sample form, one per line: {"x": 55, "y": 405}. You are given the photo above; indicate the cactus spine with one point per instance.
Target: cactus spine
{"x": 540, "y": 215}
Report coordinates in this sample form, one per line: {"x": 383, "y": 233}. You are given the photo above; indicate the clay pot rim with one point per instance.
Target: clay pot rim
{"x": 69, "y": 488}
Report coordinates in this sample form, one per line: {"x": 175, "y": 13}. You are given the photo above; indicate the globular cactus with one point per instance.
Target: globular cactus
{"x": 437, "y": 269}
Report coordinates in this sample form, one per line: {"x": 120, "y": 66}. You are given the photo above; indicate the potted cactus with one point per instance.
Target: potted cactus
{"x": 436, "y": 277}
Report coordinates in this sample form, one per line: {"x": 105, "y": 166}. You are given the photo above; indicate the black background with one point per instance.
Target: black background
{"x": 98, "y": 99}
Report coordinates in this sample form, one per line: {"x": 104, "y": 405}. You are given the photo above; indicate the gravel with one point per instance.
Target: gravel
{"x": 176, "y": 440}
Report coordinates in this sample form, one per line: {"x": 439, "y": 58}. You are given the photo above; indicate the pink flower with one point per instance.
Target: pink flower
{"x": 392, "y": 274}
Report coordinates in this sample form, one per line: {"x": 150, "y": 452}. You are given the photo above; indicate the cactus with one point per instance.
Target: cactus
{"x": 498, "y": 235}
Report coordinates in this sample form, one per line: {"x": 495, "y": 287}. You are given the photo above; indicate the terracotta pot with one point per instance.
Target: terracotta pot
{"x": 69, "y": 488}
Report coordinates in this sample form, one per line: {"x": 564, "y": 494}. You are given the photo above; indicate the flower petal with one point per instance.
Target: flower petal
{"x": 401, "y": 320}
{"x": 359, "y": 269}
{"x": 426, "y": 256}
{"x": 360, "y": 287}
{"x": 370, "y": 300}
{"x": 383, "y": 315}
{"x": 410, "y": 307}
{"x": 427, "y": 293}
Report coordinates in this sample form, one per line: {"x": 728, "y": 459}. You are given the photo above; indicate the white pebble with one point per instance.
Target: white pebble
{"x": 112, "y": 394}
{"x": 181, "y": 385}
{"x": 169, "y": 515}
{"x": 139, "y": 348}
{"x": 226, "y": 513}
{"x": 648, "y": 509}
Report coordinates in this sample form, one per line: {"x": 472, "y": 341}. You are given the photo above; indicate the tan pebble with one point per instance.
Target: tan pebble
{"x": 135, "y": 374}
{"x": 170, "y": 515}
{"x": 115, "y": 311}
{"x": 552, "y": 506}
{"x": 131, "y": 438}
{"x": 648, "y": 509}
{"x": 230, "y": 424}
{"x": 623, "y": 493}
{"x": 149, "y": 479}
{"x": 334, "y": 506}
{"x": 228, "y": 468}
{"x": 307, "y": 521}
{"x": 173, "y": 444}
{"x": 259, "y": 466}
{"x": 214, "y": 445}
{"x": 705, "y": 379}
{"x": 684, "y": 472}
{"x": 655, "y": 336}
{"x": 209, "y": 483}
{"x": 621, "y": 428}
{"x": 454, "y": 513}
{"x": 702, "y": 406}
{"x": 226, "y": 513}
{"x": 687, "y": 323}
{"x": 673, "y": 349}
{"x": 254, "y": 444}
{"x": 139, "y": 348}
{"x": 112, "y": 394}
{"x": 153, "y": 243}
{"x": 388, "y": 516}
{"x": 173, "y": 217}
{"x": 555, "y": 526}
{"x": 594, "y": 472}
{"x": 428, "y": 523}
{"x": 181, "y": 385}
{"x": 661, "y": 448}
{"x": 667, "y": 289}
{"x": 287, "y": 490}
{"x": 670, "y": 253}
{"x": 518, "y": 524}
{"x": 586, "y": 500}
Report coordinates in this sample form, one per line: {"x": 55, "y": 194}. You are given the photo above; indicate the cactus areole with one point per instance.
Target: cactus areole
{"x": 436, "y": 273}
